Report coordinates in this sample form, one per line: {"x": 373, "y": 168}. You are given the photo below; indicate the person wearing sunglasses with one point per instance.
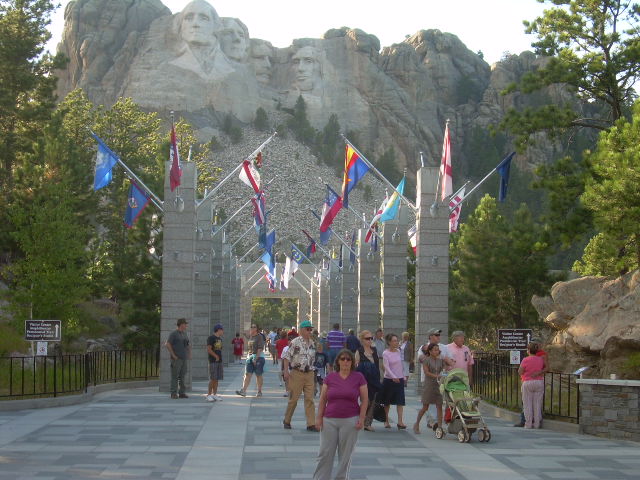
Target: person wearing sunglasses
{"x": 393, "y": 382}
{"x": 340, "y": 416}
{"x": 299, "y": 373}
{"x": 368, "y": 364}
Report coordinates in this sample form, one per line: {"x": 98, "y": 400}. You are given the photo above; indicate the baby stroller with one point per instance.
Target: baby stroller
{"x": 465, "y": 418}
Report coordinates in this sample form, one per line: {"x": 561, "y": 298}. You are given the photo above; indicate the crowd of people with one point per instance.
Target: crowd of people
{"x": 356, "y": 378}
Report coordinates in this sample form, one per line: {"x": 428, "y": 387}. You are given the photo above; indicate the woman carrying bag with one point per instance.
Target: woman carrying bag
{"x": 368, "y": 364}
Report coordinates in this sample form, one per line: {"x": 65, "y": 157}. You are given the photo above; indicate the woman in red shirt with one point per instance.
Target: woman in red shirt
{"x": 531, "y": 372}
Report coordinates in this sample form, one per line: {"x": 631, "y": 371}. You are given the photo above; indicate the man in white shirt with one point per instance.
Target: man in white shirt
{"x": 434, "y": 337}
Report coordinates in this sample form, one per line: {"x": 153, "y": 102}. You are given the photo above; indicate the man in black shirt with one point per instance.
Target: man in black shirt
{"x": 214, "y": 352}
{"x": 180, "y": 351}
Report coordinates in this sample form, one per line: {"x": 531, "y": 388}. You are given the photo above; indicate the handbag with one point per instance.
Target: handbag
{"x": 378, "y": 413}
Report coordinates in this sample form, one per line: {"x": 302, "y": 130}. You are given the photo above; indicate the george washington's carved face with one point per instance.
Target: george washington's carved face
{"x": 199, "y": 24}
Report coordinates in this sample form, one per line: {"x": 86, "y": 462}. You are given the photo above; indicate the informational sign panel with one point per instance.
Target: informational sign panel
{"x": 41, "y": 350}
{"x": 42, "y": 330}
{"x": 514, "y": 356}
{"x": 514, "y": 338}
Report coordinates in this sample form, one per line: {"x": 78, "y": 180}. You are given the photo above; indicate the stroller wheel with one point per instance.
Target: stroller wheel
{"x": 487, "y": 435}
{"x": 481, "y": 436}
{"x": 462, "y": 436}
{"x": 439, "y": 433}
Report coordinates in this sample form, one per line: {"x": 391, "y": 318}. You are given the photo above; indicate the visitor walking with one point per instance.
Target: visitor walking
{"x": 180, "y": 352}
{"x": 368, "y": 363}
{"x": 531, "y": 372}
{"x": 393, "y": 383}
{"x": 254, "y": 363}
{"x": 214, "y": 353}
{"x": 432, "y": 366}
{"x": 337, "y": 341}
{"x": 340, "y": 416}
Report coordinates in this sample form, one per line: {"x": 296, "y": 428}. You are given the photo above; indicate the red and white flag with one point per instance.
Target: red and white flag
{"x": 250, "y": 176}
{"x": 176, "y": 169}
{"x": 454, "y": 216}
{"x": 446, "y": 175}
{"x": 375, "y": 219}
{"x": 412, "y": 237}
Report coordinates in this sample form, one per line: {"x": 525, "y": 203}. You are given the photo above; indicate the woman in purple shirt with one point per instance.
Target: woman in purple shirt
{"x": 340, "y": 417}
{"x": 393, "y": 383}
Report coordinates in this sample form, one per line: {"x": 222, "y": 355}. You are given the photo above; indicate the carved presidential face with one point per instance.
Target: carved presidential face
{"x": 235, "y": 40}
{"x": 199, "y": 24}
{"x": 306, "y": 68}
{"x": 261, "y": 61}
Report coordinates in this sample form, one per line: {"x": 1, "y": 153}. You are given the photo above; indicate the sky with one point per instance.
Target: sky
{"x": 491, "y": 26}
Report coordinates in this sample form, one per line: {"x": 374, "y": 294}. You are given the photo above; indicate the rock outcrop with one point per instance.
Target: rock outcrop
{"x": 206, "y": 67}
{"x": 596, "y": 321}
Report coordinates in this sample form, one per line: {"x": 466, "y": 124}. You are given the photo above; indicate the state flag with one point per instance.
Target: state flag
{"x": 137, "y": 200}
{"x": 105, "y": 161}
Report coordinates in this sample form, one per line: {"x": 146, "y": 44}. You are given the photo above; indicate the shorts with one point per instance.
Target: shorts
{"x": 215, "y": 371}
{"x": 257, "y": 366}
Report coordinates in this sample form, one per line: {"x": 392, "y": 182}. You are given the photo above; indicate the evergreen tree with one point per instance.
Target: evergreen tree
{"x": 299, "y": 123}
{"x": 498, "y": 264}
{"x": 261, "y": 121}
{"x": 388, "y": 167}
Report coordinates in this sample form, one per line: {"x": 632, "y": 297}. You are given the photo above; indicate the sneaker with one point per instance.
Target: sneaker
{"x": 211, "y": 398}
{"x": 285, "y": 394}
{"x": 259, "y": 394}
{"x": 287, "y": 426}
{"x": 217, "y": 397}
{"x": 241, "y": 393}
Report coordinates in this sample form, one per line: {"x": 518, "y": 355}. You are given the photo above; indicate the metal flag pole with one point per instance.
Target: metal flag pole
{"x": 321, "y": 247}
{"x": 238, "y": 211}
{"x": 335, "y": 235}
{"x": 380, "y": 175}
{"x": 235, "y": 170}
{"x": 242, "y": 236}
{"x": 254, "y": 285}
{"x": 302, "y": 286}
{"x": 486, "y": 177}
{"x": 252, "y": 264}
{"x": 255, "y": 273}
{"x": 249, "y": 251}
{"x": 457, "y": 192}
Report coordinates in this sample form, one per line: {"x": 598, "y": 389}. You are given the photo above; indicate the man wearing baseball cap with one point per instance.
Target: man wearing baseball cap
{"x": 300, "y": 357}
{"x": 180, "y": 352}
{"x": 214, "y": 352}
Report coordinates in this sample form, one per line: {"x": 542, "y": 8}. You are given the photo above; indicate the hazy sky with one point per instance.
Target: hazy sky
{"x": 493, "y": 26}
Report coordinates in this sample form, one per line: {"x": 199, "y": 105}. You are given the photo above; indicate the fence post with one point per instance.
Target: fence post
{"x": 55, "y": 375}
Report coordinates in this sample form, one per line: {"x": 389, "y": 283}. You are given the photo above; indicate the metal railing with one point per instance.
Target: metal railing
{"x": 53, "y": 375}
{"x": 498, "y": 382}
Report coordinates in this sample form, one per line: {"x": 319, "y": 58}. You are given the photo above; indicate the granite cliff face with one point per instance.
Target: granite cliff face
{"x": 205, "y": 67}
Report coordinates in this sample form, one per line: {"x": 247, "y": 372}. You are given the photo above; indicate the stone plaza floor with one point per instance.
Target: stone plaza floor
{"x": 143, "y": 434}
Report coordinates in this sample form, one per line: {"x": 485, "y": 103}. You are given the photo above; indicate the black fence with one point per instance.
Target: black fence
{"x": 498, "y": 382}
{"x": 53, "y": 375}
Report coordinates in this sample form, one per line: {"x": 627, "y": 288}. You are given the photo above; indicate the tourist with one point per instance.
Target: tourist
{"x": 340, "y": 417}
{"x": 337, "y": 341}
{"x": 180, "y": 352}
{"x": 460, "y": 354}
{"x": 238, "y": 347}
{"x": 406, "y": 348}
{"x": 434, "y": 336}
{"x": 299, "y": 372}
{"x": 432, "y": 366}
{"x": 531, "y": 372}
{"x": 254, "y": 363}
{"x": 353, "y": 343}
{"x": 540, "y": 353}
{"x": 271, "y": 341}
{"x": 368, "y": 363}
{"x": 214, "y": 353}
{"x": 281, "y": 343}
{"x": 393, "y": 383}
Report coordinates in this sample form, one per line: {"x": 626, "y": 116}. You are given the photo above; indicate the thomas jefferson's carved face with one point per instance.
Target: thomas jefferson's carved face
{"x": 234, "y": 41}
{"x": 306, "y": 68}
{"x": 198, "y": 24}
{"x": 261, "y": 62}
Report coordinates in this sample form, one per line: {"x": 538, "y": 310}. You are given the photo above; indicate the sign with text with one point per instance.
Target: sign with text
{"x": 42, "y": 330}
{"x": 514, "y": 338}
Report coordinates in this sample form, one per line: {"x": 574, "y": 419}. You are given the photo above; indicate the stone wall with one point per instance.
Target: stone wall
{"x": 609, "y": 408}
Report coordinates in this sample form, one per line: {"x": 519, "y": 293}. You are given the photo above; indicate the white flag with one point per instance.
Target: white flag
{"x": 250, "y": 176}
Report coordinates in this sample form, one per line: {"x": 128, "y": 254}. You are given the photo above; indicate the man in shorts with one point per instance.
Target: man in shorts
{"x": 214, "y": 351}
{"x": 255, "y": 362}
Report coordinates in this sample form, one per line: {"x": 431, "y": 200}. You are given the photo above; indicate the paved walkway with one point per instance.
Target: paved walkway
{"x": 142, "y": 434}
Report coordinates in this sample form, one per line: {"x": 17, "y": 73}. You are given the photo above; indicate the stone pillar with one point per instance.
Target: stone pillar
{"x": 201, "y": 327}
{"x": 393, "y": 269}
{"x": 177, "y": 265}
{"x": 324, "y": 301}
{"x": 315, "y": 295}
{"x": 432, "y": 259}
{"x": 349, "y": 303}
{"x": 335, "y": 309}
{"x": 226, "y": 303}
{"x": 368, "y": 286}
{"x": 216, "y": 280}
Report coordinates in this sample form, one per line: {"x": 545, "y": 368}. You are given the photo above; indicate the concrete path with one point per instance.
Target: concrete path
{"x": 142, "y": 434}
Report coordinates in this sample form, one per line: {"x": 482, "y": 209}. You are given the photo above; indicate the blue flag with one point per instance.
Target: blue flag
{"x": 105, "y": 161}
{"x": 270, "y": 242}
{"x": 296, "y": 255}
{"x": 503, "y": 169}
{"x": 393, "y": 204}
{"x": 136, "y": 201}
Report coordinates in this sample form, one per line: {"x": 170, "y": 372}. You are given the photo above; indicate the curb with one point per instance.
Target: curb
{"x": 554, "y": 425}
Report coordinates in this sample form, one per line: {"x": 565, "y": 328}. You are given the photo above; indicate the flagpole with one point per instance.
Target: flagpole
{"x": 323, "y": 250}
{"x": 335, "y": 234}
{"x": 303, "y": 287}
{"x": 484, "y": 179}
{"x": 254, "y": 285}
{"x": 248, "y": 252}
{"x": 235, "y": 170}
{"x": 380, "y": 175}
{"x": 237, "y": 212}
{"x": 242, "y": 236}
{"x": 256, "y": 272}
{"x": 252, "y": 264}
{"x": 456, "y": 194}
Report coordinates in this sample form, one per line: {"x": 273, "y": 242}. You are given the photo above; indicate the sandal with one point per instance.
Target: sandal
{"x": 416, "y": 428}
{"x": 386, "y": 425}
{"x": 401, "y": 427}
{"x": 369, "y": 429}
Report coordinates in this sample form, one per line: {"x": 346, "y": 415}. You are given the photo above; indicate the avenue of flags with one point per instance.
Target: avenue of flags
{"x": 356, "y": 166}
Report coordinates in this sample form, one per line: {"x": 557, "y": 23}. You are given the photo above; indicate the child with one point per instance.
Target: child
{"x": 238, "y": 347}
{"x": 432, "y": 365}
{"x": 286, "y": 382}
{"x": 320, "y": 363}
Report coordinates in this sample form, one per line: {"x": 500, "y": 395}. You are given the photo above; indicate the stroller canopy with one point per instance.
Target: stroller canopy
{"x": 457, "y": 380}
